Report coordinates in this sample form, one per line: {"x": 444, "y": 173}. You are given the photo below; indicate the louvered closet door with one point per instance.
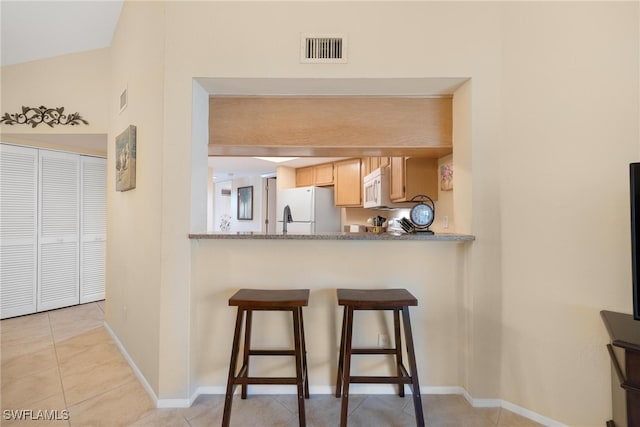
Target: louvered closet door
{"x": 58, "y": 277}
{"x": 18, "y": 230}
{"x": 93, "y": 228}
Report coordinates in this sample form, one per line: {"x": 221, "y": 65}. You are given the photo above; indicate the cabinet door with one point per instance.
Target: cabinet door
{"x": 58, "y": 278}
{"x": 323, "y": 174}
{"x": 304, "y": 176}
{"x": 348, "y": 182}
{"x": 93, "y": 228}
{"x": 397, "y": 181}
{"x": 370, "y": 164}
{"x": 18, "y": 230}
{"x": 421, "y": 177}
{"x": 374, "y": 163}
{"x": 411, "y": 176}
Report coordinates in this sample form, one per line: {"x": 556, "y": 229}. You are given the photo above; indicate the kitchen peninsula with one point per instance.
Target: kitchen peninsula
{"x": 431, "y": 267}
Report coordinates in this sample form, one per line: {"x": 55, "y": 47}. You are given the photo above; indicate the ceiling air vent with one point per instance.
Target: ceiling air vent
{"x": 323, "y": 49}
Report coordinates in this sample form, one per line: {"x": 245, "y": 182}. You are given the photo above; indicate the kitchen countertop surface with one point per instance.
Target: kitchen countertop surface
{"x": 446, "y": 237}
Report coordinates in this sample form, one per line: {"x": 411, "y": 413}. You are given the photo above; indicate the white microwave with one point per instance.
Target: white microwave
{"x": 376, "y": 189}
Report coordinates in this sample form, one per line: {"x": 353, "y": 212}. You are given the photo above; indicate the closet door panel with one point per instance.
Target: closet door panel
{"x": 93, "y": 228}
{"x": 59, "y": 197}
{"x": 58, "y": 275}
{"x": 18, "y": 230}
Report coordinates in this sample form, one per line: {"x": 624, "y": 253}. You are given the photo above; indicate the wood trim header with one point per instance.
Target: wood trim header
{"x": 329, "y": 125}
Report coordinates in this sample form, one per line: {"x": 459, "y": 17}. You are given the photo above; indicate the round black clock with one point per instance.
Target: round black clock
{"x": 422, "y": 214}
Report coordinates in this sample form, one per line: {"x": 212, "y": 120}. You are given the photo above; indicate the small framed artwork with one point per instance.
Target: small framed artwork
{"x": 446, "y": 177}
{"x": 245, "y": 202}
{"x": 126, "y": 159}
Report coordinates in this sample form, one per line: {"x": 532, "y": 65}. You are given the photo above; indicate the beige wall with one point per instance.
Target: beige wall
{"x": 479, "y": 40}
{"x": 571, "y": 117}
{"x": 77, "y": 82}
{"x": 552, "y": 107}
{"x": 134, "y": 220}
{"x": 472, "y": 49}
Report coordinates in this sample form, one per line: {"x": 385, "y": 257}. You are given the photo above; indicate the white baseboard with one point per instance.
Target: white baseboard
{"x": 134, "y": 367}
{"x": 326, "y": 389}
{"x": 481, "y": 403}
{"x": 531, "y": 415}
{"x": 499, "y": 403}
{"x": 174, "y": 403}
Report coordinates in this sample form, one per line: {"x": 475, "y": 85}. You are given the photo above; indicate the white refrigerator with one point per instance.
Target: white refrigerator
{"x": 313, "y": 210}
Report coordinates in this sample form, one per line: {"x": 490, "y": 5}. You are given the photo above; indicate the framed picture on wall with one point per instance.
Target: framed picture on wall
{"x": 126, "y": 159}
{"x": 245, "y": 202}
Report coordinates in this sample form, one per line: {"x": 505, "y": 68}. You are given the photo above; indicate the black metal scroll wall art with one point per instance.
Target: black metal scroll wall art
{"x": 33, "y": 116}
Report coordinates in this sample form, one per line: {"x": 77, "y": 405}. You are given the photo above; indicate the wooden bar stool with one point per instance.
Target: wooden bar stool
{"x": 399, "y": 301}
{"x": 248, "y": 301}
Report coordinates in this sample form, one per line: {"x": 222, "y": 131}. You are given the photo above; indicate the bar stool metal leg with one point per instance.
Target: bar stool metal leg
{"x": 346, "y": 376}
{"x": 398, "y": 347}
{"x": 341, "y": 354}
{"x": 235, "y": 349}
{"x": 247, "y": 346}
{"x": 297, "y": 334}
{"x": 417, "y": 400}
{"x": 304, "y": 355}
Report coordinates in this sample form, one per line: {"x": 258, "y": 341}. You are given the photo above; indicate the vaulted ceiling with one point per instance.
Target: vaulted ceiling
{"x": 32, "y": 30}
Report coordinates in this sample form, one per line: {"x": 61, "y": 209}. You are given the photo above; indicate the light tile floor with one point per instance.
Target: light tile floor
{"x": 65, "y": 361}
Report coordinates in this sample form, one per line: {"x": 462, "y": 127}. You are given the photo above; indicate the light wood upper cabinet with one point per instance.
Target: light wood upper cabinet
{"x": 396, "y": 183}
{"x": 320, "y": 175}
{"x": 348, "y": 183}
{"x": 373, "y": 163}
{"x": 304, "y": 176}
{"x": 370, "y": 164}
{"x": 323, "y": 174}
{"x": 411, "y": 176}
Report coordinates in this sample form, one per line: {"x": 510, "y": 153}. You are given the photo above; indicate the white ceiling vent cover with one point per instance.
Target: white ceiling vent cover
{"x": 323, "y": 49}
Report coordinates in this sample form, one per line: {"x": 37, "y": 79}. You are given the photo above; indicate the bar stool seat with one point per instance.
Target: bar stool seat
{"x": 398, "y": 300}
{"x": 248, "y": 301}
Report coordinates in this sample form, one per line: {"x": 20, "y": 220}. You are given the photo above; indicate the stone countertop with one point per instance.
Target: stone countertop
{"x": 443, "y": 237}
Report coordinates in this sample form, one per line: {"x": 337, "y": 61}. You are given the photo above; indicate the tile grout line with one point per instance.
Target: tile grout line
{"x": 55, "y": 351}
{"x": 105, "y": 391}
{"x": 60, "y": 371}
{"x": 275, "y": 399}
{"x": 499, "y": 416}
{"x": 350, "y": 412}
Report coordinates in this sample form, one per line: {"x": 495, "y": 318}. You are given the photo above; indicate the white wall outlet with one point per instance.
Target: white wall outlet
{"x": 383, "y": 341}
{"x": 445, "y": 221}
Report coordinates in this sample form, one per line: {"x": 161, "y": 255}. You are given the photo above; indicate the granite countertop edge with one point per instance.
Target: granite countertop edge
{"x": 446, "y": 237}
